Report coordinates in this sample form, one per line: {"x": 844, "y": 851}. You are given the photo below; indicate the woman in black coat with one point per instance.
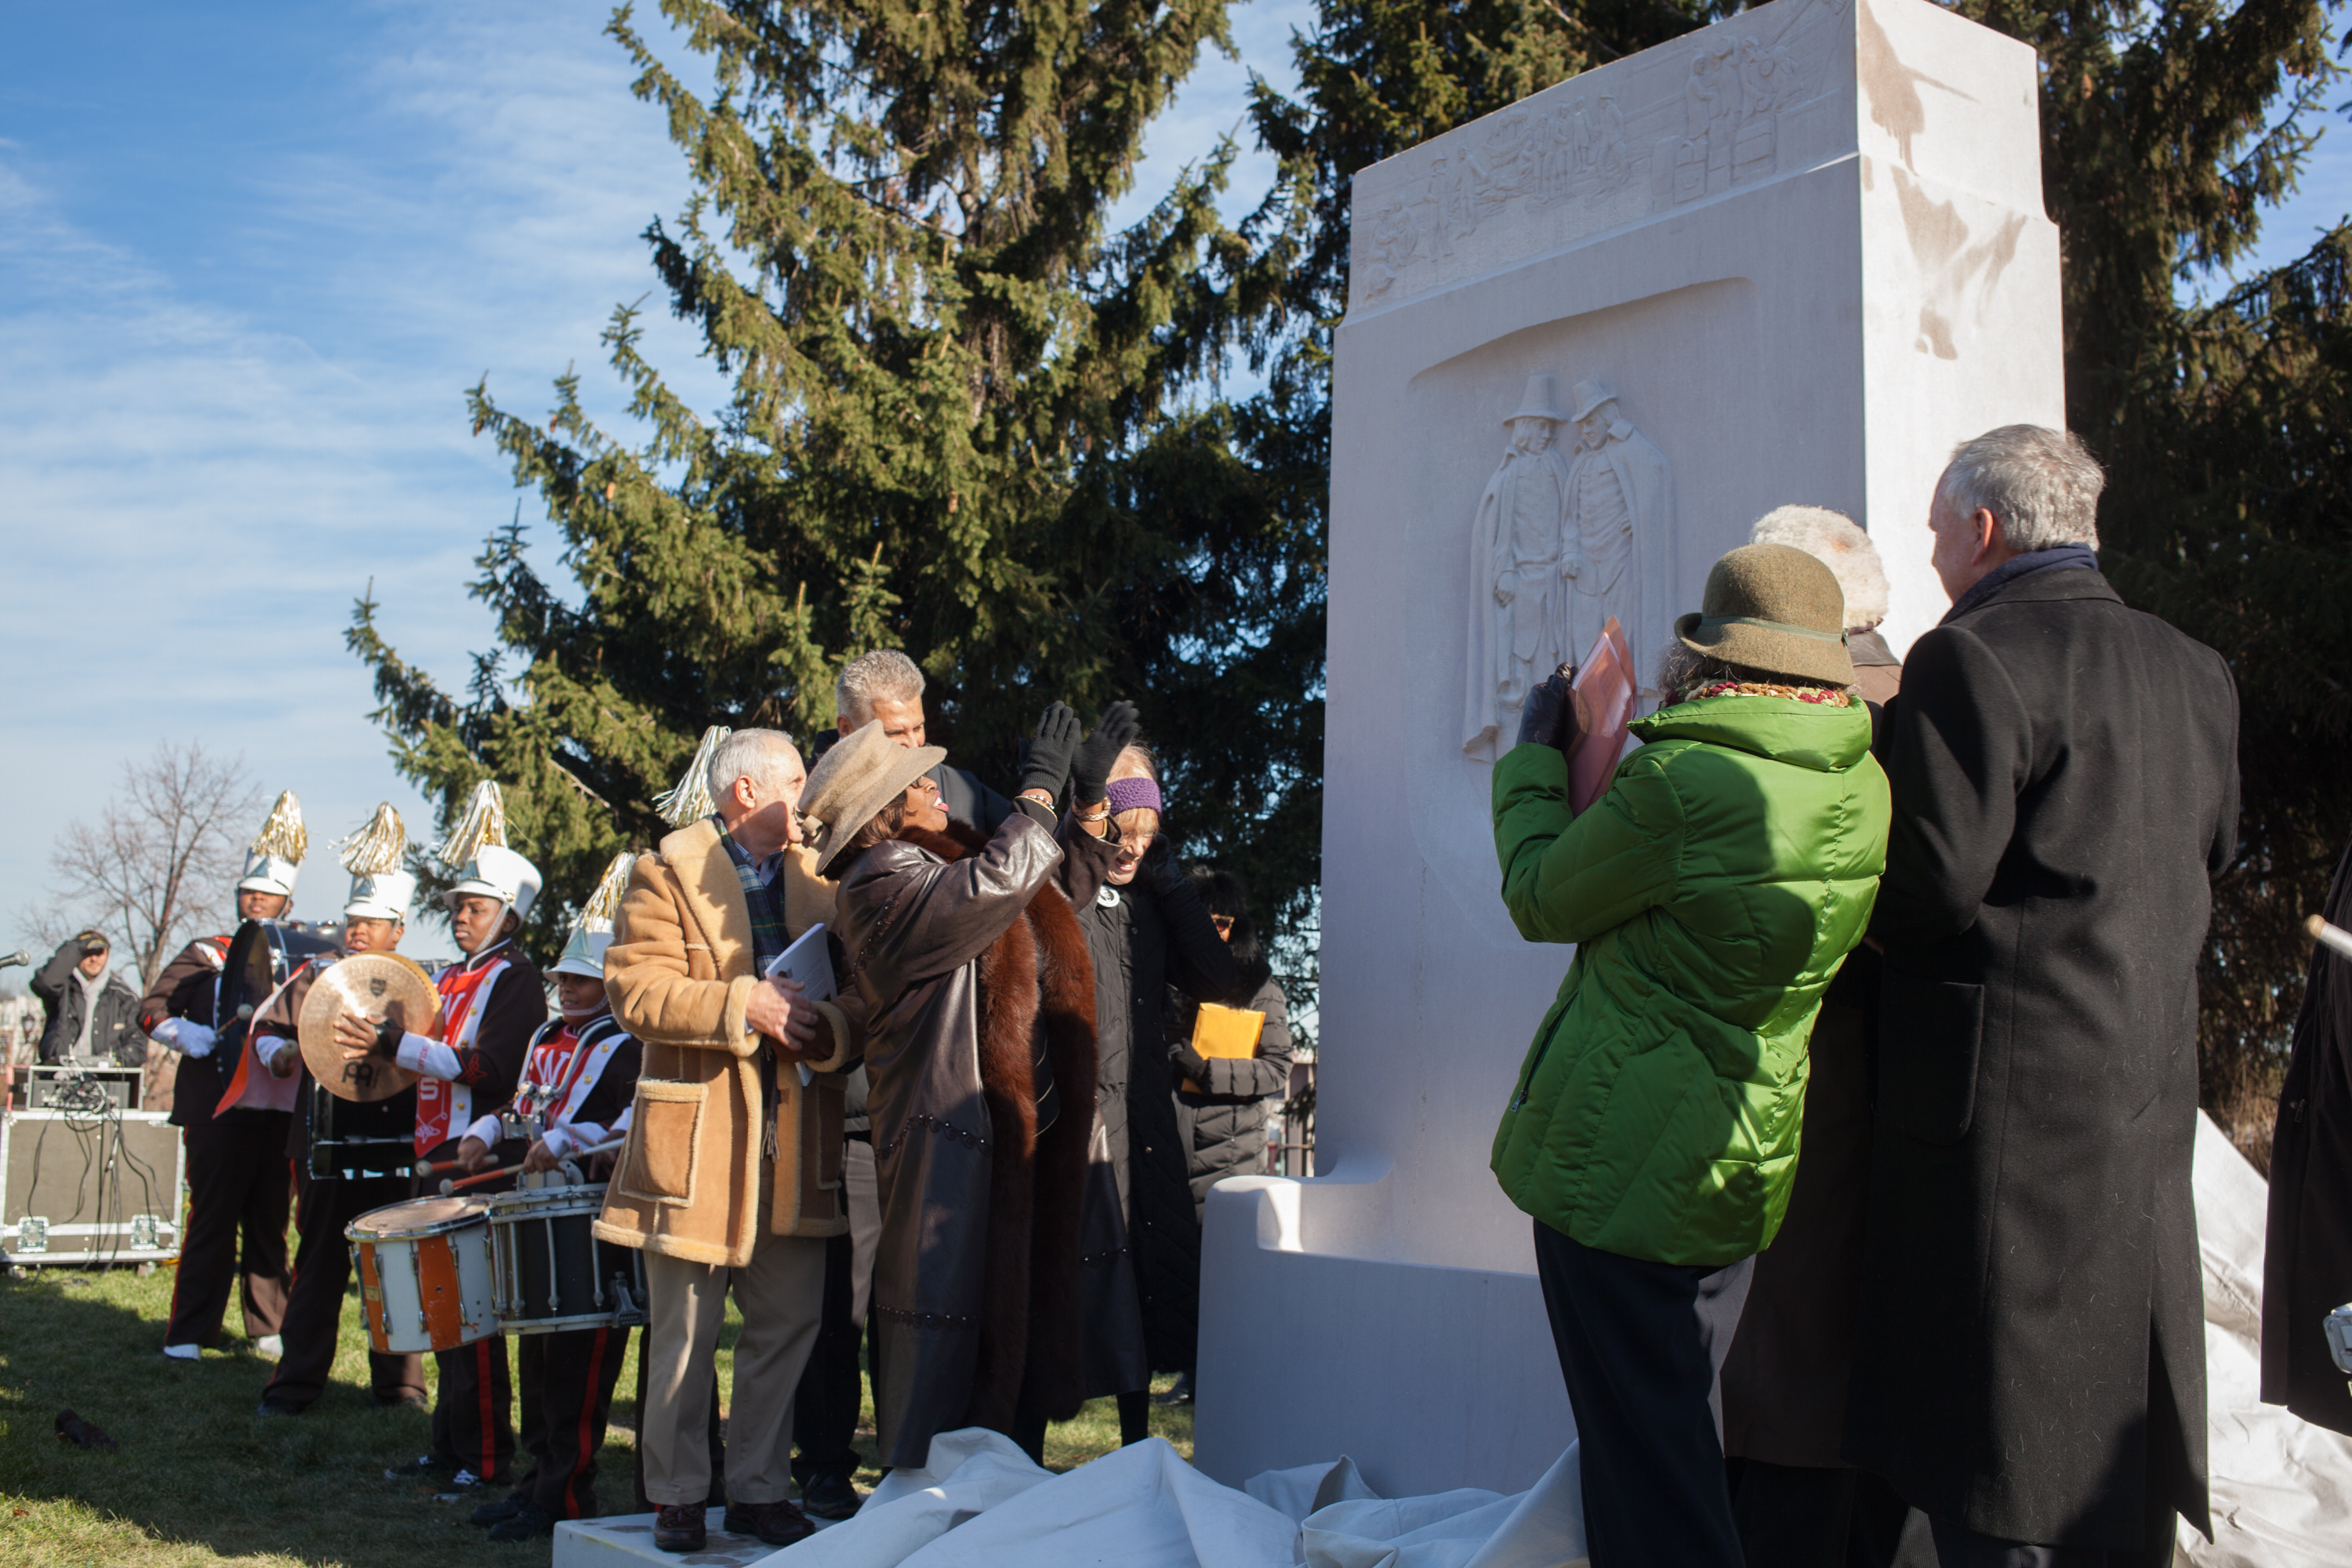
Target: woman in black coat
{"x": 2308, "y": 1257}
{"x": 1145, "y": 929}
{"x": 1222, "y": 1103}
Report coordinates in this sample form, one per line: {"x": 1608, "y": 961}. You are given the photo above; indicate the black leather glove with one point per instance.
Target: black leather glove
{"x": 1190, "y": 1063}
{"x": 1048, "y": 765}
{"x": 1161, "y": 865}
{"x": 1548, "y": 718}
{"x": 1090, "y": 766}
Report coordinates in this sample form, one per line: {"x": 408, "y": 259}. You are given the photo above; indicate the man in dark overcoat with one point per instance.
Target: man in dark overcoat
{"x": 2307, "y": 1255}
{"x": 2030, "y": 1363}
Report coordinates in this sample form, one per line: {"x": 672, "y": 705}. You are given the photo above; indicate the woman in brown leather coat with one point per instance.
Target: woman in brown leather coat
{"x": 981, "y": 1060}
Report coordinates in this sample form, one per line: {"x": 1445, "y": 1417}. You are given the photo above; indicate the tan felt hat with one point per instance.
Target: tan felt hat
{"x": 1772, "y": 607}
{"x": 864, "y": 772}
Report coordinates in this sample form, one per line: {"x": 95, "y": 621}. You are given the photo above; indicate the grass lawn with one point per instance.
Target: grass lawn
{"x": 199, "y": 1477}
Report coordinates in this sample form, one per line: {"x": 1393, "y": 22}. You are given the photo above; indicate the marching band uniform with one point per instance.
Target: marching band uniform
{"x": 327, "y": 1203}
{"x": 492, "y": 1004}
{"x": 237, "y": 1180}
{"x": 577, "y": 1085}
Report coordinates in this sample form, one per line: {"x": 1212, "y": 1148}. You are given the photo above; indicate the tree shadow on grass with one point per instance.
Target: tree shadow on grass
{"x": 197, "y": 1468}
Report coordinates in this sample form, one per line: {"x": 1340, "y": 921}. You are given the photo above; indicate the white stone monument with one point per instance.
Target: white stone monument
{"x": 1793, "y": 258}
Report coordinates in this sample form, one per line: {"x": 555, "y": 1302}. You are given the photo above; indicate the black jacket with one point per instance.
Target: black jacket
{"x": 1223, "y": 1121}
{"x": 1143, "y": 937}
{"x": 2307, "y": 1255}
{"x": 2029, "y": 1355}
{"x": 114, "y": 1032}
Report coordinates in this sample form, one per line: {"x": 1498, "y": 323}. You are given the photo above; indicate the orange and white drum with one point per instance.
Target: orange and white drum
{"x": 424, "y": 1274}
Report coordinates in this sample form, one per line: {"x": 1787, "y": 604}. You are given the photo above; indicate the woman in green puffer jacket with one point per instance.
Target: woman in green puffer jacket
{"x": 1653, "y": 1134}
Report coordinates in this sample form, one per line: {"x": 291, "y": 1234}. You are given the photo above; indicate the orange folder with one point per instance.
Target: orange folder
{"x": 1228, "y": 1032}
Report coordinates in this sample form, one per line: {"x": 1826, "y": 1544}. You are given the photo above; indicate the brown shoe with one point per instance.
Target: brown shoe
{"x": 678, "y": 1527}
{"x": 778, "y": 1524}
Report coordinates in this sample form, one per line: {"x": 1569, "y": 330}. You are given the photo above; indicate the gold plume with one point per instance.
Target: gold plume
{"x": 690, "y": 801}
{"x": 283, "y": 834}
{"x": 605, "y": 903}
{"x": 483, "y": 823}
{"x": 380, "y": 846}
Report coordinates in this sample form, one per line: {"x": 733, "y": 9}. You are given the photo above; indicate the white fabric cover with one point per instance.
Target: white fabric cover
{"x": 2282, "y": 1487}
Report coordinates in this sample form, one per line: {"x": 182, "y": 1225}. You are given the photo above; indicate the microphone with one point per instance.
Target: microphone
{"x": 22, "y": 955}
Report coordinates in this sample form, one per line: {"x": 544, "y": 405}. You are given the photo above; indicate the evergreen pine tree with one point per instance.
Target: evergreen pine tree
{"x": 942, "y": 358}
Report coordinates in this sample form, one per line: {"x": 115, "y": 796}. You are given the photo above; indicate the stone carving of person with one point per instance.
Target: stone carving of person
{"x": 1618, "y": 549}
{"x": 1516, "y": 618}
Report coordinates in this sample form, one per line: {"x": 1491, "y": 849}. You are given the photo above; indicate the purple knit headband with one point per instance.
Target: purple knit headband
{"x": 1133, "y": 795}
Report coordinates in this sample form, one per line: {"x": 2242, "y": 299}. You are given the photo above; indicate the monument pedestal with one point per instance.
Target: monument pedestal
{"x": 1792, "y": 258}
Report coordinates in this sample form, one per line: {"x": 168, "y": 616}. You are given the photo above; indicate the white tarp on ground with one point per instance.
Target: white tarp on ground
{"x": 2282, "y": 1487}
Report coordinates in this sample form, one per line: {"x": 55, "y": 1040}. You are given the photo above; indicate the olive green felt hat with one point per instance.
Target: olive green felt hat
{"x": 1772, "y": 607}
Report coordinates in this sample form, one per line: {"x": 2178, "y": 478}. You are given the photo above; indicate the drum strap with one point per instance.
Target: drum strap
{"x": 443, "y": 1107}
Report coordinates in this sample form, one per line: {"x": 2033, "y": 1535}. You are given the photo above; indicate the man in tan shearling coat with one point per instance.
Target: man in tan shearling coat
{"x": 732, "y": 1174}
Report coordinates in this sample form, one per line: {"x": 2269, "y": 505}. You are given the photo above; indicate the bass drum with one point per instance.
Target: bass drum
{"x": 552, "y": 1273}
{"x": 424, "y": 1274}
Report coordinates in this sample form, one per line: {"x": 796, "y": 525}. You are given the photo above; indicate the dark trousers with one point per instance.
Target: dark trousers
{"x": 567, "y": 1380}
{"x": 1958, "y": 1546}
{"x": 1800, "y": 1516}
{"x": 825, "y": 1408}
{"x": 314, "y": 1310}
{"x": 239, "y": 1185}
{"x": 471, "y": 1427}
{"x": 1640, "y": 1344}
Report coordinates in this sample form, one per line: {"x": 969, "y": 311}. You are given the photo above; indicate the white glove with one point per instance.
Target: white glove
{"x": 269, "y": 1048}
{"x": 186, "y": 1037}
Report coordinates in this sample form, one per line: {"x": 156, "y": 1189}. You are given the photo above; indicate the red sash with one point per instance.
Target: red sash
{"x": 441, "y": 1105}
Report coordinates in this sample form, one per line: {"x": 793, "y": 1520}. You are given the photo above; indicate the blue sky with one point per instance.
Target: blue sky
{"x": 251, "y": 256}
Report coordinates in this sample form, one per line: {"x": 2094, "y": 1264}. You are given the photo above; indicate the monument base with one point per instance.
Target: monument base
{"x": 1429, "y": 1377}
{"x": 628, "y": 1538}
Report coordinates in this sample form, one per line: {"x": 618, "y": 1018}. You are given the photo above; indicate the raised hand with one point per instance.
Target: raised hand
{"x": 1048, "y": 767}
{"x": 1091, "y": 767}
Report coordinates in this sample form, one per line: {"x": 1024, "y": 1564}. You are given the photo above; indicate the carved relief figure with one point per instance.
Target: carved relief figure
{"x": 1620, "y": 537}
{"x": 1517, "y": 620}
{"x": 1394, "y": 237}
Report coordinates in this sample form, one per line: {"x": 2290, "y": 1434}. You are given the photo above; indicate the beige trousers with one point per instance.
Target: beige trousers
{"x": 780, "y": 1293}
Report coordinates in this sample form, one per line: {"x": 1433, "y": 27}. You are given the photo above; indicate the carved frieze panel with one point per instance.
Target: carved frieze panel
{"x": 1732, "y": 105}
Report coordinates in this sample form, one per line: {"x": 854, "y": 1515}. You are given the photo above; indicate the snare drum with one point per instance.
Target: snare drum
{"x": 424, "y": 1274}
{"x": 551, "y": 1272}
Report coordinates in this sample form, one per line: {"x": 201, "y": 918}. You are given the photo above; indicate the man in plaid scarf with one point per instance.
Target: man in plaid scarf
{"x": 733, "y": 1177}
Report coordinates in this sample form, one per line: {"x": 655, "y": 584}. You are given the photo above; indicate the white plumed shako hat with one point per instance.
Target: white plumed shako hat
{"x": 275, "y": 857}
{"x": 591, "y": 933}
{"x": 477, "y": 850}
{"x": 377, "y": 857}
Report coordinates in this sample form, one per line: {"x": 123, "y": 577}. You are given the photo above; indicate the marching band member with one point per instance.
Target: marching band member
{"x": 492, "y": 1001}
{"x": 577, "y": 1083}
{"x": 237, "y": 1181}
{"x": 375, "y": 917}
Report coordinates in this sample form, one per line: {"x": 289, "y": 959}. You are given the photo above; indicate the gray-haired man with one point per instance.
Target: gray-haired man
{"x": 888, "y": 686}
{"x": 2030, "y": 1363}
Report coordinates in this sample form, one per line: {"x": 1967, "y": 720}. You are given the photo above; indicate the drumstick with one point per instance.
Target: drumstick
{"x": 495, "y": 1172}
{"x": 2329, "y": 936}
{"x": 434, "y": 1167}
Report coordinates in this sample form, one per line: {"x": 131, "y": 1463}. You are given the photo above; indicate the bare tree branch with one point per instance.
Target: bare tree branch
{"x": 157, "y": 865}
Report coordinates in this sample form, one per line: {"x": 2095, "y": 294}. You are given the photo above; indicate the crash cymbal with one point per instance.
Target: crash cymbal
{"x": 376, "y": 986}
